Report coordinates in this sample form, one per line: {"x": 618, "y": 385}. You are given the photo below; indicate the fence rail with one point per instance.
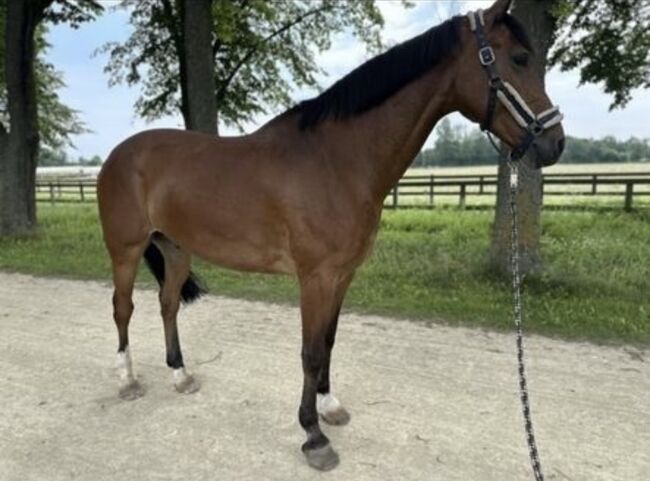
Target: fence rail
{"x": 427, "y": 190}
{"x": 423, "y": 190}
{"x": 55, "y": 191}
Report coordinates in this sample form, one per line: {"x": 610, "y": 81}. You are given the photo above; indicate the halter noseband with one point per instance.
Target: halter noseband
{"x": 534, "y": 125}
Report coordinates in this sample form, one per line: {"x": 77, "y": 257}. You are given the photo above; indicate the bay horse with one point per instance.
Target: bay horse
{"x": 303, "y": 194}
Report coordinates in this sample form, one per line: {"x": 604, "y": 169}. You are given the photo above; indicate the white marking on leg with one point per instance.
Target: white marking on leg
{"x": 184, "y": 382}
{"x": 124, "y": 367}
{"x": 327, "y": 403}
{"x": 179, "y": 376}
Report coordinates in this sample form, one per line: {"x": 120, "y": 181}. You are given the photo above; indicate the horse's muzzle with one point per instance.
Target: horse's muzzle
{"x": 546, "y": 150}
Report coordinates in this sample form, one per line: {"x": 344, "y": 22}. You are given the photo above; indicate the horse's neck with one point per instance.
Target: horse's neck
{"x": 374, "y": 149}
{"x": 388, "y": 137}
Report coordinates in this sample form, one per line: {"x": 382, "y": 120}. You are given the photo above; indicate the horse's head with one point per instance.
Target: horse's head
{"x": 500, "y": 86}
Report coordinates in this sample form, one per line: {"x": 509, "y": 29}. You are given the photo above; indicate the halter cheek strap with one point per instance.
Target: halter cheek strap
{"x": 533, "y": 124}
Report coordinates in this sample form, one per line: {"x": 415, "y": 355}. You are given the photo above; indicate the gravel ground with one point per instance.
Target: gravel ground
{"x": 427, "y": 403}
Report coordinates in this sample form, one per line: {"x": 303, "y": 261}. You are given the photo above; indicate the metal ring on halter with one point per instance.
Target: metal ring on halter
{"x": 536, "y": 128}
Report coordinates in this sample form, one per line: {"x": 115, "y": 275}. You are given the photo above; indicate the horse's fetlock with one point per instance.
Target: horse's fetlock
{"x": 307, "y": 417}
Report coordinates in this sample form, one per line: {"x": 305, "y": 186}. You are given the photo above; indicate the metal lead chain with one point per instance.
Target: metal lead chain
{"x": 516, "y": 300}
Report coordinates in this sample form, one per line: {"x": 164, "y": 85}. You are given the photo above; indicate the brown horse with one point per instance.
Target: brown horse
{"x": 303, "y": 194}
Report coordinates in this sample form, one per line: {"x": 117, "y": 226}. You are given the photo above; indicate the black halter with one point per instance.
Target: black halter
{"x": 533, "y": 125}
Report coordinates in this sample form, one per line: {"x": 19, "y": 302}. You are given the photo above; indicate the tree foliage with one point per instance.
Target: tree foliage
{"x": 72, "y": 12}
{"x": 58, "y": 157}
{"x": 57, "y": 122}
{"x": 608, "y": 41}
{"x": 458, "y": 146}
{"x": 607, "y": 149}
{"x": 260, "y": 49}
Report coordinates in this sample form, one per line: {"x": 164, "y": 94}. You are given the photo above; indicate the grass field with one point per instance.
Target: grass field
{"x": 427, "y": 265}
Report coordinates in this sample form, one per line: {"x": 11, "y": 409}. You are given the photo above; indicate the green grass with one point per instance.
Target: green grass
{"x": 427, "y": 265}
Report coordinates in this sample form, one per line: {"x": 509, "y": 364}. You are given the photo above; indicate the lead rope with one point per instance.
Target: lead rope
{"x": 516, "y": 302}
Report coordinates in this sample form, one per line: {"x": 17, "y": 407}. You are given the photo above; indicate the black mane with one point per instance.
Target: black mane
{"x": 381, "y": 77}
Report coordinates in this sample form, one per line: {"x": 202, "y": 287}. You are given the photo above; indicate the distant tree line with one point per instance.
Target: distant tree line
{"x": 53, "y": 157}
{"x": 456, "y": 145}
{"x": 607, "y": 149}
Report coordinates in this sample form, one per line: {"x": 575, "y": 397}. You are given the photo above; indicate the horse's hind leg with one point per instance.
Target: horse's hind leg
{"x": 177, "y": 270}
{"x": 125, "y": 267}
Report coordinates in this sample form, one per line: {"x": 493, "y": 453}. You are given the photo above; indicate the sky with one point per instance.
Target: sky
{"x": 108, "y": 111}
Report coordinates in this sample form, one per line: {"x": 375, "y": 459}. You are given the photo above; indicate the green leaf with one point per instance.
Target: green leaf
{"x": 263, "y": 51}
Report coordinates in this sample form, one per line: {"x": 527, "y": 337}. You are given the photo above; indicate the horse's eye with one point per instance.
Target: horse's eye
{"x": 521, "y": 59}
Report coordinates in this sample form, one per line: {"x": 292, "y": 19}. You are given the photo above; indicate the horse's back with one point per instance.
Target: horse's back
{"x": 215, "y": 196}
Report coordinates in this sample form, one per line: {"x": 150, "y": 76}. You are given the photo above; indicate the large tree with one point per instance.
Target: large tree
{"x": 541, "y": 24}
{"x": 260, "y": 51}
{"x": 608, "y": 41}
{"x": 20, "y": 89}
{"x": 19, "y": 139}
{"x": 198, "y": 65}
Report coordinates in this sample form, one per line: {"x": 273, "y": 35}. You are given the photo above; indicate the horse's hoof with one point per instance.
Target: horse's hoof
{"x": 323, "y": 458}
{"x": 336, "y": 417}
{"x": 187, "y": 385}
{"x": 131, "y": 390}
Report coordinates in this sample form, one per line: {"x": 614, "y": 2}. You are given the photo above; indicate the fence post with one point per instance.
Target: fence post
{"x": 480, "y": 186}
{"x": 629, "y": 193}
{"x": 81, "y": 191}
{"x": 431, "y": 190}
{"x": 51, "y": 185}
{"x": 395, "y": 195}
{"x": 594, "y": 178}
{"x": 461, "y": 202}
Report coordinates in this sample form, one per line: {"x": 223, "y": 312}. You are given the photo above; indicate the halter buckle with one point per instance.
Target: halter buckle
{"x": 486, "y": 56}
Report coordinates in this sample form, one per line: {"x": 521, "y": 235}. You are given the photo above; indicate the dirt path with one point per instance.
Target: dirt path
{"x": 427, "y": 403}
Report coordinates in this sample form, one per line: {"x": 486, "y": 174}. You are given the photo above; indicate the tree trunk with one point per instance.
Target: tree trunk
{"x": 541, "y": 25}
{"x": 197, "y": 64}
{"x": 19, "y": 146}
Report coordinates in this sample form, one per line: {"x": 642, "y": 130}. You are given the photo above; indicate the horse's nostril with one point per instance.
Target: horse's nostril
{"x": 560, "y": 146}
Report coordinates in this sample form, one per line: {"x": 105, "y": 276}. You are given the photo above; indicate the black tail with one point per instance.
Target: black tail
{"x": 192, "y": 288}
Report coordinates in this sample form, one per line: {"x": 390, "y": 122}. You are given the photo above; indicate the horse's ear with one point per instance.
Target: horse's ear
{"x": 497, "y": 11}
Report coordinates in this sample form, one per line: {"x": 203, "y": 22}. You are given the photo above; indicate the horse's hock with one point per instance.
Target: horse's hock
{"x": 425, "y": 401}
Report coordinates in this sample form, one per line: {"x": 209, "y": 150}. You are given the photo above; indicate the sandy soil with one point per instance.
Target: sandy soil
{"x": 427, "y": 403}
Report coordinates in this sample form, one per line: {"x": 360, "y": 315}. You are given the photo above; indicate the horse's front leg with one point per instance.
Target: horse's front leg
{"x": 328, "y": 406}
{"x": 318, "y": 305}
